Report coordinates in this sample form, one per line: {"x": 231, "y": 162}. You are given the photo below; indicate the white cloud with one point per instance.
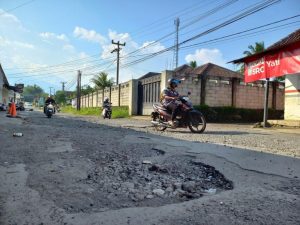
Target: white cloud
{"x": 10, "y": 20}
{"x": 202, "y": 56}
{"x": 49, "y": 35}
{"x": 89, "y": 35}
{"x": 68, "y": 47}
{"x": 13, "y": 44}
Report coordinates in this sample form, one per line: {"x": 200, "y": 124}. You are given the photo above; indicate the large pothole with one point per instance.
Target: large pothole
{"x": 134, "y": 183}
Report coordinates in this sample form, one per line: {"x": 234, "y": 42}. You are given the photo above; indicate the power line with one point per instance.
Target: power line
{"x": 19, "y": 6}
{"x": 52, "y": 68}
{"x": 226, "y": 23}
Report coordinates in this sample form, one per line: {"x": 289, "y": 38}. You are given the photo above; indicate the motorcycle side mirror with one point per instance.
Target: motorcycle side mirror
{"x": 189, "y": 93}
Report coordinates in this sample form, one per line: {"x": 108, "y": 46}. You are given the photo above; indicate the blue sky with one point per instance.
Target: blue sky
{"x": 37, "y": 39}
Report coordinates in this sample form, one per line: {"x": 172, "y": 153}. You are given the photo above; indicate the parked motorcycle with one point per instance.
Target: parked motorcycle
{"x": 107, "y": 111}
{"x": 49, "y": 110}
{"x": 187, "y": 117}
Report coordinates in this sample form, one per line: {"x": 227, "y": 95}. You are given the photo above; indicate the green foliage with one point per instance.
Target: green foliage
{"x": 87, "y": 89}
{"x": 32, "y": 92}
{"x": 101, "y": 81}
{"x": 193, "y": 64}
{"x": 231, "y": 114}
{"x": 117, "y": 112}
{"x": 60, "y": 97}
{"x": 253, "y": 49}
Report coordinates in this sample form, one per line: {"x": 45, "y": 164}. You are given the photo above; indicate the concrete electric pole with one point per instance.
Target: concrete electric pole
{"x": 176, "y": 47}
{"x": 118, "y": 56}
{"x": 63, "y": 85}
{"x": 78, "y": 90}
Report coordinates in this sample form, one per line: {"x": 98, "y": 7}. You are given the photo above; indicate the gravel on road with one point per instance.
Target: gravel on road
{"x": 282, "y": 141}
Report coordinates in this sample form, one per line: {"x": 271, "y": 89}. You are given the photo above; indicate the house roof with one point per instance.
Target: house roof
{"x": 5, "y": 81}
{"x": 284, "y": 42}
{"x": 208, "y": 69}
{"x": 147, "y": 75}
{"x": 184, "y": 69}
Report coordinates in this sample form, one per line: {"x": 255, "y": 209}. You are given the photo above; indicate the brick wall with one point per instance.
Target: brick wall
{"x": 218, "y": 93}
{"x": 128, "y": 96}
{"x": 192, "y": 85}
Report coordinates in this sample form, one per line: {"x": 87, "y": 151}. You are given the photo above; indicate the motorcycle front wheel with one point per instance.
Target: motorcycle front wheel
{"x": 197, "y": 125}
{"x": 159, "y": 119}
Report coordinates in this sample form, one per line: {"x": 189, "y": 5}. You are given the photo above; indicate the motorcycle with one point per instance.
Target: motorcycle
{"x": 49, "y": 110}
{"x": 187, "y": 117}
{"x": 106, "y": 112}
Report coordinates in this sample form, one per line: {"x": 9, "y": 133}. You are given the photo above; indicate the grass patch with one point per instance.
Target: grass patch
{"x": 117, "y": 112}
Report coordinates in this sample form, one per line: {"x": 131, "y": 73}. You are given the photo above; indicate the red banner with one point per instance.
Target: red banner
{"x": 286, "y": 61}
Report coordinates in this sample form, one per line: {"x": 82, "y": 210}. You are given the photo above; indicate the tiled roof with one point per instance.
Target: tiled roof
{"x": 290, "y": 39}
{"x": 208, "y": 69}
{"x": 211, "y": 69}
{"x": 284, "y": 42}
{"x": 150, "y": 74}
{"x": 184, "y": 69}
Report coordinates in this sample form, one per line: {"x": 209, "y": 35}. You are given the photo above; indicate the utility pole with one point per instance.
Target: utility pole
{"x": 118, "y": 56}
{"x": 78, "y": 90}
{"x": 176, "y": 47}
{"x": 50, "y": 88}
{"x": 63, "y": 85}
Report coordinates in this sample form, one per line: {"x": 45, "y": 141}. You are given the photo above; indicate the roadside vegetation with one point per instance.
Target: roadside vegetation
{"x": 231, "y": 114}
{"x": 117, "y": 112}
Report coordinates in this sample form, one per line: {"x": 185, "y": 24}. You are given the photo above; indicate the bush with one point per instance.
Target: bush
{"x": 117, "y": 112}
{"x": 231, "y": 114}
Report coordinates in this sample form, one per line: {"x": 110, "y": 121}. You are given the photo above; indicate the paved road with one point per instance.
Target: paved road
{"x": 48, "y": 176}
{"x": 276, "y": 140}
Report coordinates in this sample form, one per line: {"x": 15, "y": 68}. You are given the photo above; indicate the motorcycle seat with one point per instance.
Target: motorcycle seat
{"x": 160, "y": 107}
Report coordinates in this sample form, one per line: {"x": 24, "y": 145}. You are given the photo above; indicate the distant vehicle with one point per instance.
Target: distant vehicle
{"x": 3, "y": 107}
{"x": 20, "y": 106}
{"x": 28, "y": 106}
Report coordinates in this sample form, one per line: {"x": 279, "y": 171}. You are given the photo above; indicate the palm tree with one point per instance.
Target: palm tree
{"x": 253, "y": 49}
{"x": 257, "y": 48}
{"x": 101, "y": 82}
{"x": 193, "y": 64}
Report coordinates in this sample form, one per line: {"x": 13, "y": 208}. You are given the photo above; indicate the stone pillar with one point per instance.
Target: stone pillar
{"x": 234, "y": 82}
{"x": 165, "y": 76}
{"x": 133, "y": 97}
{"x": 292, "y": 97}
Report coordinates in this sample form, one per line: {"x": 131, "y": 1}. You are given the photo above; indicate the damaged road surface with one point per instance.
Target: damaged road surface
{"x": 68, "y": 171}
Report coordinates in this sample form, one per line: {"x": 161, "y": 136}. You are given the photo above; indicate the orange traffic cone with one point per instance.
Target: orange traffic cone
{"x": 14, "y": 110}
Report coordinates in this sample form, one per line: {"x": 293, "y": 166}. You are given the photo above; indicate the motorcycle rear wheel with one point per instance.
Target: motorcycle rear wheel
{"x": 159, "y": 119}
{"x": 200, "y": 127}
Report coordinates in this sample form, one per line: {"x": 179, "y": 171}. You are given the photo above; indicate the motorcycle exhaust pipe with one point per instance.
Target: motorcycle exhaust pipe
{"x": 155, "y": 123}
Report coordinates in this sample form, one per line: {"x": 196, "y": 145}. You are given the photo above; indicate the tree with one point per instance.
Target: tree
{"x": 257, "y": 48}
{"x": 60, "y": 97}
{"x": 253, "y": 49}
{"x": 193, "y": 64}
{"x": 101, "y": 81}
{"x": 32, "y": 92}
{"x": 87, "y": 89}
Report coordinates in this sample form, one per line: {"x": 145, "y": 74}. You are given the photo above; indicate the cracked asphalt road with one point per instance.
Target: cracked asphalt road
{"x": 41, "y": 176}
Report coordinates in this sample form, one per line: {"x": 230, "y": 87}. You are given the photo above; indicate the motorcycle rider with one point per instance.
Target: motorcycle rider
{"x": 106, "y": 105}
{"x": 48, "y": 101}
{"x": 169, "y": 97}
